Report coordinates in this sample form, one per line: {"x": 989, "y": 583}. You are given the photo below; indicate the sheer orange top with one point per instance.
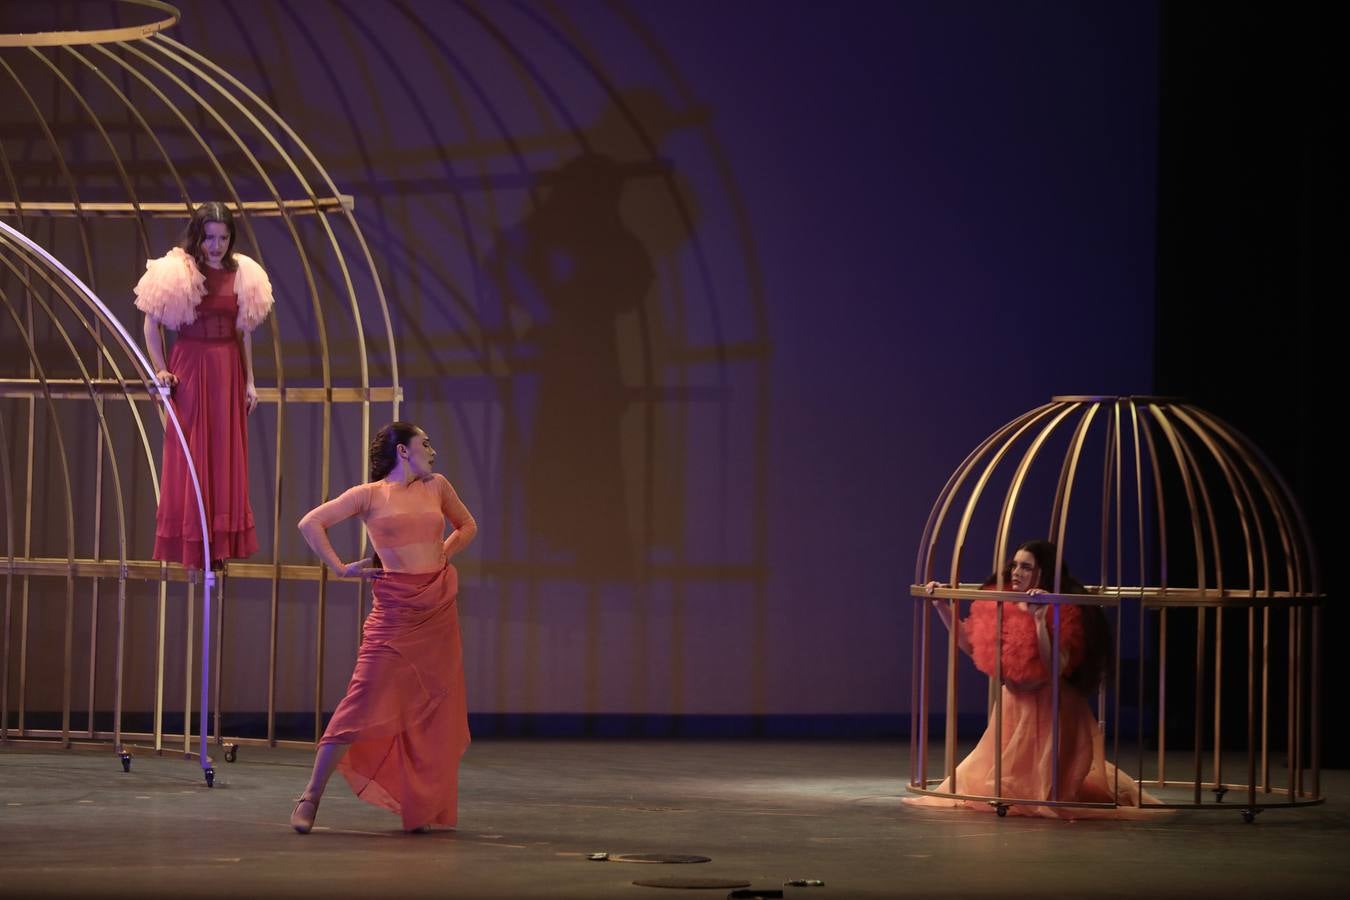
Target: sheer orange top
{"x": 405, "y": 521}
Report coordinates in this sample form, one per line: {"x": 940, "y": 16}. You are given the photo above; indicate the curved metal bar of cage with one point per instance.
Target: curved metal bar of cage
{"x": 1213, "y": 436}
{"x": 99, "y": 35}
{"x": 108, "y": 319}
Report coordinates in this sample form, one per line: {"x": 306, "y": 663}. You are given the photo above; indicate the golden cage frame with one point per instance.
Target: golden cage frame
{"x": 115, "y": 375}
{"x": 1161, "y": 461}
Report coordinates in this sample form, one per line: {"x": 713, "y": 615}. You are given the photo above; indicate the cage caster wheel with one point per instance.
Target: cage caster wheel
{"x": 210, "y": 777}
{"x": 1001, "y": 809}
{"x": 1249, "y": 815}
{"x": 1218, "y": 794}
{"x": 126, "y": 761}
{"x": 231, "y": 752}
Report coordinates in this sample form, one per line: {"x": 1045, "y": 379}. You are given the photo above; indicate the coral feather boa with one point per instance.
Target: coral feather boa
{"x": 1022, "y": 664}
{"x": 172, "y": 288}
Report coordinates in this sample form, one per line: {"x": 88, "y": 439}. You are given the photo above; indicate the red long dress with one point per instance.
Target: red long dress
{"x": 210, "y": 404}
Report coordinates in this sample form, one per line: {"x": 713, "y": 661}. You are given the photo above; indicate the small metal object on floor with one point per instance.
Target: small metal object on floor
{"x": 691, "y": 883}
{"x": 804, "y": 882}
{"x": 659, "y": 858}
{"x": 598, "y": 857}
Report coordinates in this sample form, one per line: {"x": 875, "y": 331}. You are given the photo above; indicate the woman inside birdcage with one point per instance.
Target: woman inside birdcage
{"x": 212, "y": 298}
{"x": 1085, "y": 654}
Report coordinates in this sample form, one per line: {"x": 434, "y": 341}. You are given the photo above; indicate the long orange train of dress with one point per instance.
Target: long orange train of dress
{"x": 1028, "y": 718}
{"x": 405, "y": 714}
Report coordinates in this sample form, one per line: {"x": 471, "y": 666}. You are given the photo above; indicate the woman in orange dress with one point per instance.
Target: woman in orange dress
{"x": 213, "y": 298}
{"x": 398, "y": 734}
{"x": 1083, "y": 775}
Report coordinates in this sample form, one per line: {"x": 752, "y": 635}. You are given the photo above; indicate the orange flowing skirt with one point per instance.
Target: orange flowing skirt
{"x": 404, "y": 715}
{"x": 1084, "y": 774}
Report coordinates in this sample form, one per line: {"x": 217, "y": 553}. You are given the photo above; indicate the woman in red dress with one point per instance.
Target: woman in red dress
{"x": 398, "y": 734}
{"x": 213, "y": 298}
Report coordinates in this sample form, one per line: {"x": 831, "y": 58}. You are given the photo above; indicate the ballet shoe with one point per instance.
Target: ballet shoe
{"x": 302, "y": 817}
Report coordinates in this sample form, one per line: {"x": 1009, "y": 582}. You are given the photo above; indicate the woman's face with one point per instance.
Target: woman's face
{"x": 215, "y": 241}
{"x": 1025, "y": 573}
{"x": 421, "y": 456}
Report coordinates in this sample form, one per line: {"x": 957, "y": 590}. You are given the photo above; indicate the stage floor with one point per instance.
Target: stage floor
{"x": 72, "y": 824}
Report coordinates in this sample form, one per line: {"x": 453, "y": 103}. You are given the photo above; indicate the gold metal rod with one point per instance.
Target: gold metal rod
{"x": 1108, "y": 479}
{"x": 1297, "y": 762}
{"x": 219, "y": 655}
{"x": 1315, "y": 701}
{"x": 73, "y": 389}
{"x": 1287, "y": 512}
{"x": 1054, "y": 701}
{"x": 1199, "y": 696}
{"x": 1162, "y": 695}
{"x": 321, "y": 620}
{"x": 160, "y": 209}
{"x": 959, "y": 542}
{"x": 141, "y": 210}
{"x": 189, "y": 611}
{"x": 96, "y": 550}
{"x": 949, "y": 756}
{"x": 97, "y": 35}
{"x": 1143, "y": 619}
{"x": 1265, "y": 699}
{"x": 5, "y": 490}
{"x": 1251, "y": 707}
{"x": 923, "y": 566}
{"x": 1248, "y": 520}
{"x": 925, "y": 640}
{"x": 159, "y": 666}
{"x": 78, "y": 209}
{"x": 998, "y": 701}
{"x": 1188, "y": 483}
{"x": 1115, "y": 450}
{"x": 1289, "y": 521}
{"x": 1291, "y": 746}
{"x": 119, "y": 663}
{"x": 1015, "y": 488}
{"x": 916, "y": 607}
{"x": 1159, "y": 500}
{"x": 60, "y": 158}
{"x": 30, "y": 410}
{"x": 1069, "y": 473}
{"x": 1218, "y": 695}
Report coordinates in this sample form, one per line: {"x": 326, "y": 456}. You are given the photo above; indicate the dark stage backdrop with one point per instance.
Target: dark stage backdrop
{"x": 701, "y": 303}
{"x": 1250, "y": 273}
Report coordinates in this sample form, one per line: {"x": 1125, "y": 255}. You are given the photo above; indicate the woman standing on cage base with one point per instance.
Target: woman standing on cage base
{"x": 398, "y": 734}
{"x": 213, "y": 298}
{"x": 1027, "y": 751}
